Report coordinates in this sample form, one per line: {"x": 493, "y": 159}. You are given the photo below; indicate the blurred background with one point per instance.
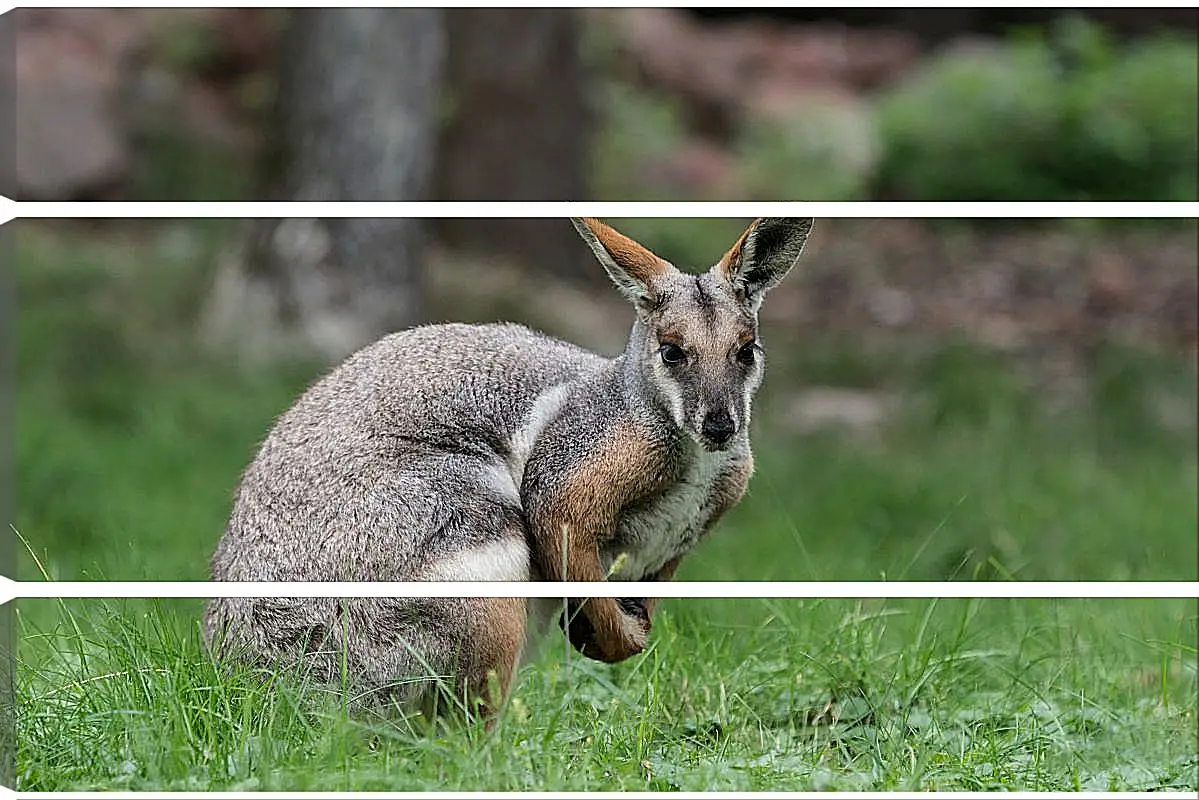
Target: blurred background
{"x": 609, "y": 104}
{"x": 946, "y": 398}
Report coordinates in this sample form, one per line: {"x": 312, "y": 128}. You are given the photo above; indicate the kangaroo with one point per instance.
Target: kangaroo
{"x": 457, "y": 452}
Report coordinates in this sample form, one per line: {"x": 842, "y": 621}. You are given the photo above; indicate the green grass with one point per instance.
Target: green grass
{"x": 130, "y": 442}
{"x": 749, "y": 695}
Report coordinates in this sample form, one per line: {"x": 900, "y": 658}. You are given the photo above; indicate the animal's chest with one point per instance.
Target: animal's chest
{"x": 651, "y": 533}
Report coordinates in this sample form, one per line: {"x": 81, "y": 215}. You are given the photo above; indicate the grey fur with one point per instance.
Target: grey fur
{"x": 410, "y": 454}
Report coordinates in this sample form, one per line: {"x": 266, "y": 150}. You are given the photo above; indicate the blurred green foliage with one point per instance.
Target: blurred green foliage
{"x": 176, "y": 166}
{"x": 827, "y": 150}
{"x": 638, "y": 126}
{"x": 1071, "y": 115}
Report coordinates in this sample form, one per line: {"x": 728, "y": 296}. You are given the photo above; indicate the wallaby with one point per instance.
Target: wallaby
{"x": 491, "y": 452}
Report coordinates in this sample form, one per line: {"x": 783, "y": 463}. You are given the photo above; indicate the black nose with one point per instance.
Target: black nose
{"x": 718, "y": 426}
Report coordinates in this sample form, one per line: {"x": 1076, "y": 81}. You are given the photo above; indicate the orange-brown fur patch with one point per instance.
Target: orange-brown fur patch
{"x": 625, "y": 469}
{"x": 733, "y": 257}
{"x": 497, "y": 631}
{"x": 634, "y": 258}
{"x": 672, "y": 334}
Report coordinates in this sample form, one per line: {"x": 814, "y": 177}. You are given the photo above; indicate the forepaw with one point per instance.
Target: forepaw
{"x": 582, "y": 634}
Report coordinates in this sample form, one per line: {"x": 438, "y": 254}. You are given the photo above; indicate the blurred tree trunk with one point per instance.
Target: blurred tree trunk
{"x": 355, "y": 119}
{"x": 518, "y": 130}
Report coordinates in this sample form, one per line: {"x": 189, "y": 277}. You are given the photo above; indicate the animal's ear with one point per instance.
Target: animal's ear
{"x": 631, "y": 266}
{"x": 763, "y": 256}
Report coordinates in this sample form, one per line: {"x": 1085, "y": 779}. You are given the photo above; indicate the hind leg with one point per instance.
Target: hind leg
{"x": 492, "y": 629}
{"x": 496, "y": 633}
{"x": 430, "y": 654}
{"x": 476, "y": 642}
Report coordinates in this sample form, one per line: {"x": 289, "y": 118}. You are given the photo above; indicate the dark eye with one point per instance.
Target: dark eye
{"x": 748, "y": 353}
{"x": 672, "y": 354}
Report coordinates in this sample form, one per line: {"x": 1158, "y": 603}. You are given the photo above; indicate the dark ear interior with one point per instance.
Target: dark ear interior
{"x": 764, "y": 255}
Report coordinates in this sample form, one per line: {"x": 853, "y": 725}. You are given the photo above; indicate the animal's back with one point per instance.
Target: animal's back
{"x": 381, "y": 468}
